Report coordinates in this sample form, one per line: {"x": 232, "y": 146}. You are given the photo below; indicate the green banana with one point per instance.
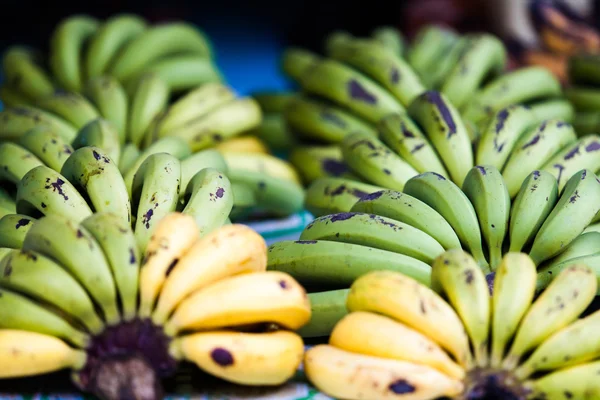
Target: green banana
{"x": 372, "y": 160}
{"x": 110, "y": 98}
{"x": 43, "y": 191}
{"x": 586, "y": 244}
{"x": 209, "y": 198}
{"x": 448, "y": 199}
{"x": 154, "y": 194}
{"x": 14, "y": 122}
{"x": 295, "y": 62}
{"x": 66, "y": 44}
{"x": 534, "y": 149}
{"x": 322, "y": 121}
{"x": 374, "y": 231}
{"x": 10, "y": 97}
{"x": 327, "y": 309}
{"x": 15, "y": 162}
{"x": 390, "y": 38}
{"x": 155, "y": 43}
{"x": 583, "y": 98}
{"x": 332, "y": 195}
{"x": 23, "y": 72}
{"x": 192, "y": 164}
{"x": 547, "y": 274}
{"x": 117, "y": 241}
{"x": 185, "y": 72}
{"x": 338, "y": 264}
{"x": 485, "y": 188}
{"x": 128, "y": 156}
{"x": 13, "y": 228}
{"x": 98, "y": 177}
{"x": 72, "y": 107}
{"x": 318, "y": 161}
{"x": 532, "y": 205}
{"x": 553, "y": 108}
{"x": 273, "y": 102}
{"x": 41, "y": 278}
{"x": 409, "y": 210}
{"x": 100, "y": 133}
{"x": 445, "y": 129}
{"x": 150, "y": 97}
{"x": 47, "y": 146}
{"x": 111, "y": 37}
{"x": 445, "y": 65}
{"x": 575, "y": 209}
{"x": 244, "y": 201}
{"x": 430, "y": 45}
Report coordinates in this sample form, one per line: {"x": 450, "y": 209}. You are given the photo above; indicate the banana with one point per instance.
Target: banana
{"x": 318, "y": 161}
{"x": 445, "y": 66}
{"x": 66, "y": 44}
{"x": 194, "y": 104}
{"x": 390, "y": 38}
{"x": 222, "y": 123}
{"x": 575, "y": 209}
{"x": 184, "y": 72}
{"x": 111, "y": 101}
{"x": 219, "y": 262}
{"x": 14, "y": 122}
{"x": 514, "y": 289}
{"x": 99, "y": 178}
{"x": 261, "y": 163}
{"x": 154, "y": 193}
{"x": 553, "y": 108}
{"x": 532, "y": 205}
{"x": 100, "y": 133}
{"x": 371, "y": 159}
{"x": 19, "y": 312}
{"x": 72, "y": 246}
{"x": 43, "y": 191}
{"x": 533, "y": 150}
{"x": 47, "y": 146}
{"x": 583, "y": 69}
{"x": 117, "y": 241}
{"x": 559, "y": 305}
{"x": 326, "y": 310}
{"x": 150, "y": 96}
{"x": 15, "y": 162}
{"x": 578, "y": 381}
{"x": 30, "y": 353}
{"x": 72, "y": 107}
{"x": 10, "y": 97}
{"x": 425, "y": 311}
{"x": 486, "y": 190}
{"x": 374, "y": 231}
{"x": 381, "y": 65}
{"x": 409, "y": 210}
{"x": 243, "y": 144}
{"x": 484, "y": 55}
{"x": 331, "y": 195}
{"x": 252, "y": 359}
{"x": 112, "y": 36}
{"x": 39, "y": 277}
{"x": 347, "y": 375}
{"x": 128, "y": 156}
{"x": 244, "y": 202}
{"x": 517, "y": 87}
{"x": 171, "y": 145}
{"x": 23, "y": 71}
{"x": 350, "y": 89}
{"x": 430, "y": 44}
{"x": 400, "y": 133}
{"x": 583, "y": 98}
{"x": 338, "y": 263}
{"x": 502, "y": 134}
{"x": 451, "y": 203}
{"x": 322, "y": 121}
{"x": 377, "y": 336}
{"x": 269, "y": 296}
{"x": 275, "y": 133}
{"x": 273, "y": 102}
{"x": 173, "y": 237}
{"x": 276, "y": 196}
{"x": 13, "y": 229}
{"x": 192, "y": 164}
{"x": 577, "y": 156}
{"x": 456, "y": 276}
{"x": 296, "y": 61}
{"x": 446, "y": 131}
{"x": 155, "y": 43}
{"x": 549, "y": 270}
{"x": 209, "y": 199}
{"x": 586, "y": 244}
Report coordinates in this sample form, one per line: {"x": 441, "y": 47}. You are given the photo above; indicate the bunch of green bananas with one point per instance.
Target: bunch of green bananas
{"x": 82, "y": 295}
{"x": 583, "y": 92}
{"x": 405, "y": 232}
{"x": 402, "y": 339}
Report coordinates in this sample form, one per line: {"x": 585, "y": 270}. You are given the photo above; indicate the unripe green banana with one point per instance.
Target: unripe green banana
{"x": 327, "y": 309}
{"x": 390, "y": 38}
{"x": 430, "y": 45}
{"x": 14, "y": 122}
{"x": 314, "y": 162}
{"x": 583, "y": 98}
{"x": 185, "y": 72}
{"x": 50, "y": 148}
{"x": 70, "y": 106}
{"x": 196, "y": 162}
{"x": 10, "y": 97}
{"x": 15, "y": 162}
{"x": 332, "y": 195}
{"x": 110, "y": 98}
{"x": 23, "y": 72}
{"x": 150, "y": 97}
{"x": 553, "y": 109}
{"x": 244, "y": 201}
{"x": 296, "y": 61}
{"x": 128, "y": 156}
{"x": 66, "y": 44}
{"x": 586, "y": 244}
{"x": 100, "y": 133}
{"x": 273, "y": 102}
{"x": 13, "y": 228}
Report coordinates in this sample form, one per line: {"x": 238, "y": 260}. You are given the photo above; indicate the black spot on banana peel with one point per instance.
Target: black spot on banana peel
{"x": 435, "y": 98}
{"x": 358, "y": 92}
{"x": 222, "y": 357}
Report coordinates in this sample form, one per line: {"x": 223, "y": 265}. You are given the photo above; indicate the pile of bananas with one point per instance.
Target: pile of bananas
{"x": 402, "y": 339}
{"x": 83, "y": 296}
{"x": 405, "y": 232}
